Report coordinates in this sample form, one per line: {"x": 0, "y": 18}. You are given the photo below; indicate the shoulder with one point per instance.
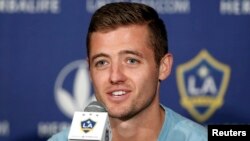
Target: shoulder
{"x": 61, "y": 136}
{"x": 186, "y": 129}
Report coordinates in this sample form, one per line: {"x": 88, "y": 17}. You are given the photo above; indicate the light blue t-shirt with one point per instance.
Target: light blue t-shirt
{"x": 179, "y": 128}
{"x": 175, "y": 128}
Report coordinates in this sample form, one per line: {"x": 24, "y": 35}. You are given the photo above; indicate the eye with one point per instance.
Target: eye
{"x": 133, "y": 61}
{"x": 101, "y": 63}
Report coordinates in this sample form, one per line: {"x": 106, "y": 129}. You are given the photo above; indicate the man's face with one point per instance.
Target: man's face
{"x": 123, "y": 70}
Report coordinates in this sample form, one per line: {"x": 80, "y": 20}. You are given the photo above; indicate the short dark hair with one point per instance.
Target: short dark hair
{"x": 114, "y": 15}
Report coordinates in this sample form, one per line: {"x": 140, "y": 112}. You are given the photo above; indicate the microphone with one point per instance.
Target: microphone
{"x": 91, "y": 125}
{"x": 95, "y": 106}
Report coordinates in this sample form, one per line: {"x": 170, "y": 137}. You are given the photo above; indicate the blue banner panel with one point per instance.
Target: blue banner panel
{"x": 44, "y": 73}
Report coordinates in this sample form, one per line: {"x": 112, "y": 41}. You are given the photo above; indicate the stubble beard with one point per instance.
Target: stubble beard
{"x": 133, "y": 110}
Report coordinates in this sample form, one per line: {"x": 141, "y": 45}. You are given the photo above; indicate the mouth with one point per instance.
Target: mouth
{"x": 118, "y": 93}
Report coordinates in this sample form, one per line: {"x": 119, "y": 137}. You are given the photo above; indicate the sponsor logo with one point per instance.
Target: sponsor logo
{"x": 235, "y": 7}
{"x": 87, "y": 125}
{"x": 30, "y": 6}
{"x": 47, "y": 129}
{"x": 162, "y": 6}
{"x": 74, "y": 75}
{"x": 4, "y": 128}
{"x": 202, "y": 84}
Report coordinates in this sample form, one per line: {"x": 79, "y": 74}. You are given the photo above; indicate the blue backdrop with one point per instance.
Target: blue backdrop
{"x": 44, "y": 79}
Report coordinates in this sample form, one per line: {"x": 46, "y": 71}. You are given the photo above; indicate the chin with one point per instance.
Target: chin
{"x": 121, "y": 115}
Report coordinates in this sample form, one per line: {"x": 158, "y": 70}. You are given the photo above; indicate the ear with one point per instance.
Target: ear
{"x": 165, "y": 66}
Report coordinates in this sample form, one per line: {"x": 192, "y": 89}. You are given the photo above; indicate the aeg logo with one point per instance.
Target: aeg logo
{"x": 76, "y": 99}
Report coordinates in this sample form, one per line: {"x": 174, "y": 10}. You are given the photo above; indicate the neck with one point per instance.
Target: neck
{"x": 145, "y": 126}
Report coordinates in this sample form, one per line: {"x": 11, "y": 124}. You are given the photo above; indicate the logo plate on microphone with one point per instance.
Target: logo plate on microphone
{"x": 90, "y": 126}
{"x": 87, "y": 125}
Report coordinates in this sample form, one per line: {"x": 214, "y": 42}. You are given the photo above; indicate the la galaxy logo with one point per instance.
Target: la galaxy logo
{"x": 87, "y": 125}
{"x": 202, "y": 83}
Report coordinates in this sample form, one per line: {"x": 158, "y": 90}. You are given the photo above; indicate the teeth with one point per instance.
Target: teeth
{"x": 118, "y": 93}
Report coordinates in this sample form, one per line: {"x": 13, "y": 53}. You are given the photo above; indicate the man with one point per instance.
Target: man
{"x": 128, "y": 58}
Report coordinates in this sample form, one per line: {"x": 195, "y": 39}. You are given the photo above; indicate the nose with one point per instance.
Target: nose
{"x": 117, "y": 75}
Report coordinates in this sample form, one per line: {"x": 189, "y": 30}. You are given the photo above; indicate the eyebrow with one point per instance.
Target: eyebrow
{"x": 133, "y": 52}
{"x": 136, "y": 53}
{"x": 99, "y": 55}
